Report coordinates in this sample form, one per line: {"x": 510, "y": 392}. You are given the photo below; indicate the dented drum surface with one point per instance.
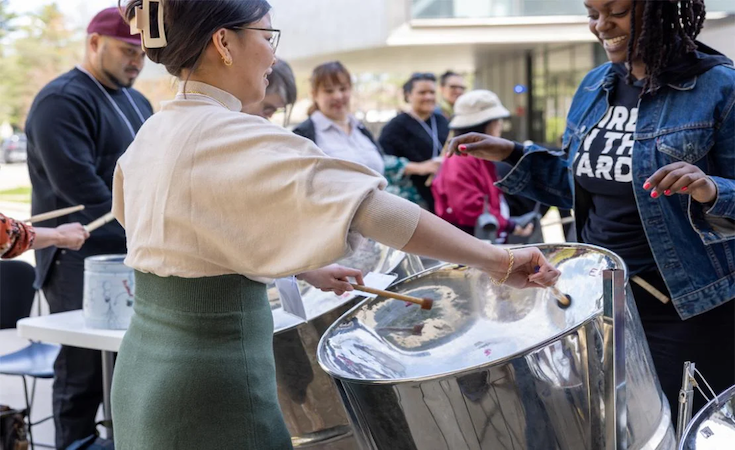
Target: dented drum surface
{"x": 492, "y": 367}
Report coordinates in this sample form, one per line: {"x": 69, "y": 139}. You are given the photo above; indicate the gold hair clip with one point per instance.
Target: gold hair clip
{"x": 141, "y": 24}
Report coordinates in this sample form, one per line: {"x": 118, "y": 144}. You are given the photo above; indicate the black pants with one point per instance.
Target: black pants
{"x": 708, "y": 340}
{"x": 77, "y": 391}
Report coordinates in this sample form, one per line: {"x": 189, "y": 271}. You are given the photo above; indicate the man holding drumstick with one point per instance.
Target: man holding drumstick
{"x": 78, "y": 126}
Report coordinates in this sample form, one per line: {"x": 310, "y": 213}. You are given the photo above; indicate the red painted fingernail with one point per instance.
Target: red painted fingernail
{"x": 647, "y": 185}
{"x": 462, "y": 148}
{"x": 654, "y": 194}
{"x": 684, "y": 189}
{"x": 667, "y": 192}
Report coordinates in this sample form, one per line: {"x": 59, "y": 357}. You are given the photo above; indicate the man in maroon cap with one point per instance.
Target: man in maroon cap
{"x": 78, "y": 126}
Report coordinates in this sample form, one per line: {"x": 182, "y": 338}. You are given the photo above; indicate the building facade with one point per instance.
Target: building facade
{"x": 532, "y": 53}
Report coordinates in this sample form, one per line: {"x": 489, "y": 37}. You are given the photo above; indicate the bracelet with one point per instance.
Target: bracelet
{"x": 510, "y": 269}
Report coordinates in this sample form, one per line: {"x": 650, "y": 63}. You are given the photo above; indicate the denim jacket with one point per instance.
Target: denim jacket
{"x": 692, "y": 121}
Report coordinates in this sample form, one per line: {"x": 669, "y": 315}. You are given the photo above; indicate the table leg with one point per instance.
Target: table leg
{"x": 108, "y": 363}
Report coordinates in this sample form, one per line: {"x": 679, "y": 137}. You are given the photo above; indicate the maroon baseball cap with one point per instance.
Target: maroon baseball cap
{"x": 109, "y": 22}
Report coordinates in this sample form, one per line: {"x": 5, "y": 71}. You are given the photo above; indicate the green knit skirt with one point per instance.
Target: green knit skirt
{"x": 196, "y": 369}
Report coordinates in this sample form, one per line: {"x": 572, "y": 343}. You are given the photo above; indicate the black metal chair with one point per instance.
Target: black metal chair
{"x": 35, "y": 360}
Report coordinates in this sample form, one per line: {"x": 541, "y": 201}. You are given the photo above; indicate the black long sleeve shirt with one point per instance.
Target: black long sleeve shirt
{"x": 75, "y": 137}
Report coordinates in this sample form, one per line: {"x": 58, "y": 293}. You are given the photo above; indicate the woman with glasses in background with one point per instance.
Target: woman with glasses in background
{"x": 418, "y": 134}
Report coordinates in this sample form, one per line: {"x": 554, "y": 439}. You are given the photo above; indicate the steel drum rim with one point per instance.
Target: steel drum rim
{"x": 458, "y": 372}
{"x": 477, "y": 368}
{"x": 698, "y": 419}
{"x": 105, "y": 259}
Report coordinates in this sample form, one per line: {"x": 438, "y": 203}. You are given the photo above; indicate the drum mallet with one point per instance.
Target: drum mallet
{"x": 107, "y": 218}
{"x": 426, "y": 303}
{"x": 54, "y": 214}
{"x": 563, "y": 300}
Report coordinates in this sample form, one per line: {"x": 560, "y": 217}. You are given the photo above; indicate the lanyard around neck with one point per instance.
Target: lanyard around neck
{"x": 115, "y": 105}
{"x": 432, "y": 132}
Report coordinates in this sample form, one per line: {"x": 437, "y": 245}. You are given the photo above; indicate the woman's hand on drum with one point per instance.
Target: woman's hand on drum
{"x": 481, "y": 146}
{"x": 682, "y": 178}
{"x": 530, "y": 269}
{"x": 332, "y": 278}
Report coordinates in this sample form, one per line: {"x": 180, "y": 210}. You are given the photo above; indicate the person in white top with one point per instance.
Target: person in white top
{"x": 332, "y": 126}
{"x": 216, "y": 202}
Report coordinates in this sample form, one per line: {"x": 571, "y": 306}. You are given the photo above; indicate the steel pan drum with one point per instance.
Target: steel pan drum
{"x": 309, "y": 400}
{"x": 713, "y": 428}
{"x": 493, "y": 367}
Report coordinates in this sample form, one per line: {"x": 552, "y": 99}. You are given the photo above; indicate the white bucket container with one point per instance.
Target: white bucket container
{"x": 109, "y": 290}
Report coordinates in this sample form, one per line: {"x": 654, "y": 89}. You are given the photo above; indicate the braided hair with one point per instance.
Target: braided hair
{"x": 668, "y": 30}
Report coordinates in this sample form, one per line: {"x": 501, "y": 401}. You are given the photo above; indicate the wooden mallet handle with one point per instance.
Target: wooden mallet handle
{"x": 564, "y": 300}
{"x": 54, "y": 214}
{"x": 107, "y": 218}
{"x": 426, "y": 303}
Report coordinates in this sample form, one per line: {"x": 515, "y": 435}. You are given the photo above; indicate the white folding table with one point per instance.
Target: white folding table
{"x": 68, "y": 328}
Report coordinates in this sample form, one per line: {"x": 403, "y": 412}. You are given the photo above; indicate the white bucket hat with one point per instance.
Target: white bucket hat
{"x": 477, "y": 107}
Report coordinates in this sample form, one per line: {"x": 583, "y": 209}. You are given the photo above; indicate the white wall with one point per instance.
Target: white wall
{"x": 316, "y": 27}
{"x": 720, "y": 35}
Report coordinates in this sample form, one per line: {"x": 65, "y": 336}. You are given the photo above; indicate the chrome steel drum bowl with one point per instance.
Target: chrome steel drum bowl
{"x": 713, "y": 428}
{"x": 491, "y": 367}
{"x": 309, "y": 400}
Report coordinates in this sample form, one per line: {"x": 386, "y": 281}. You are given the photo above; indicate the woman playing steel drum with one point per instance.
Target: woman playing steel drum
{"x": 216, "y": 202}
{"x": 651, "y": 175}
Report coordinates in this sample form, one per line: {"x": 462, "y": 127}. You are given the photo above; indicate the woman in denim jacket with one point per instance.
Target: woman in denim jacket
{"x": 650, "y": 173}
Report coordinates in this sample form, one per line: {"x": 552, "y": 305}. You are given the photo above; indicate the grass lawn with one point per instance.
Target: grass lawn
{"x": 20, "y": 195}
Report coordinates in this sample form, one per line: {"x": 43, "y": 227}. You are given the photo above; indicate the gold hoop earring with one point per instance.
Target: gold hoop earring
{"x": 227, "y": 61}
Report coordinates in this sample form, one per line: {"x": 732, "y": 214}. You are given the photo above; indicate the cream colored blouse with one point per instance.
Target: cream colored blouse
{"x": 207, "y": 190}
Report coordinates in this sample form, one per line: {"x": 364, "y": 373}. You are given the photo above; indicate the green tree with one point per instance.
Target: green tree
{"x": 38, "y": 52}
{"x": 5, "y": 17}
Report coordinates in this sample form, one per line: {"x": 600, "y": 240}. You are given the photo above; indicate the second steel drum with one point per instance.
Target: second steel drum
{"x": 309, "y": 400}
{"x": 713, "y": 428}
{"x": 494, "y": 367}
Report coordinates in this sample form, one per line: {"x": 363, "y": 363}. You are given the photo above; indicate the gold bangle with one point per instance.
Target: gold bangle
{"x": 510, "y": 269}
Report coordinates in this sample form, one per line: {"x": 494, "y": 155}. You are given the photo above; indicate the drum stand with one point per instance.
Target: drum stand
{"x": 616, "y": 424}
{"x": 686, "y": 397}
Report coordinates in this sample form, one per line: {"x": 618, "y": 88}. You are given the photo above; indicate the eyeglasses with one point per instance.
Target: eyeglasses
{"x": 273, "y": 40}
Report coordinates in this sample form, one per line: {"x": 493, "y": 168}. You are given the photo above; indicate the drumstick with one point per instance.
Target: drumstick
{"x": 107, "y": 218}
{"x": 564, "y": 300}
{"x": 426, "y": 303}
{"x": 54, "y": 214}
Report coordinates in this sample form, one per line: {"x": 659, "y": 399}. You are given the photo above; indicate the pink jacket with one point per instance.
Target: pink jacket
{"x": 460, "y": 188}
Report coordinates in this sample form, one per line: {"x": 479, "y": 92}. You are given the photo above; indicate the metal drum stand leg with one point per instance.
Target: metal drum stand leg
{"x": 616, "y": 424}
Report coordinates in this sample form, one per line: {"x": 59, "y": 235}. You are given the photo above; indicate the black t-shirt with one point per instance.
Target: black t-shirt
{"x": 603, "y": 168}
{"x": 405, "y": 137}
